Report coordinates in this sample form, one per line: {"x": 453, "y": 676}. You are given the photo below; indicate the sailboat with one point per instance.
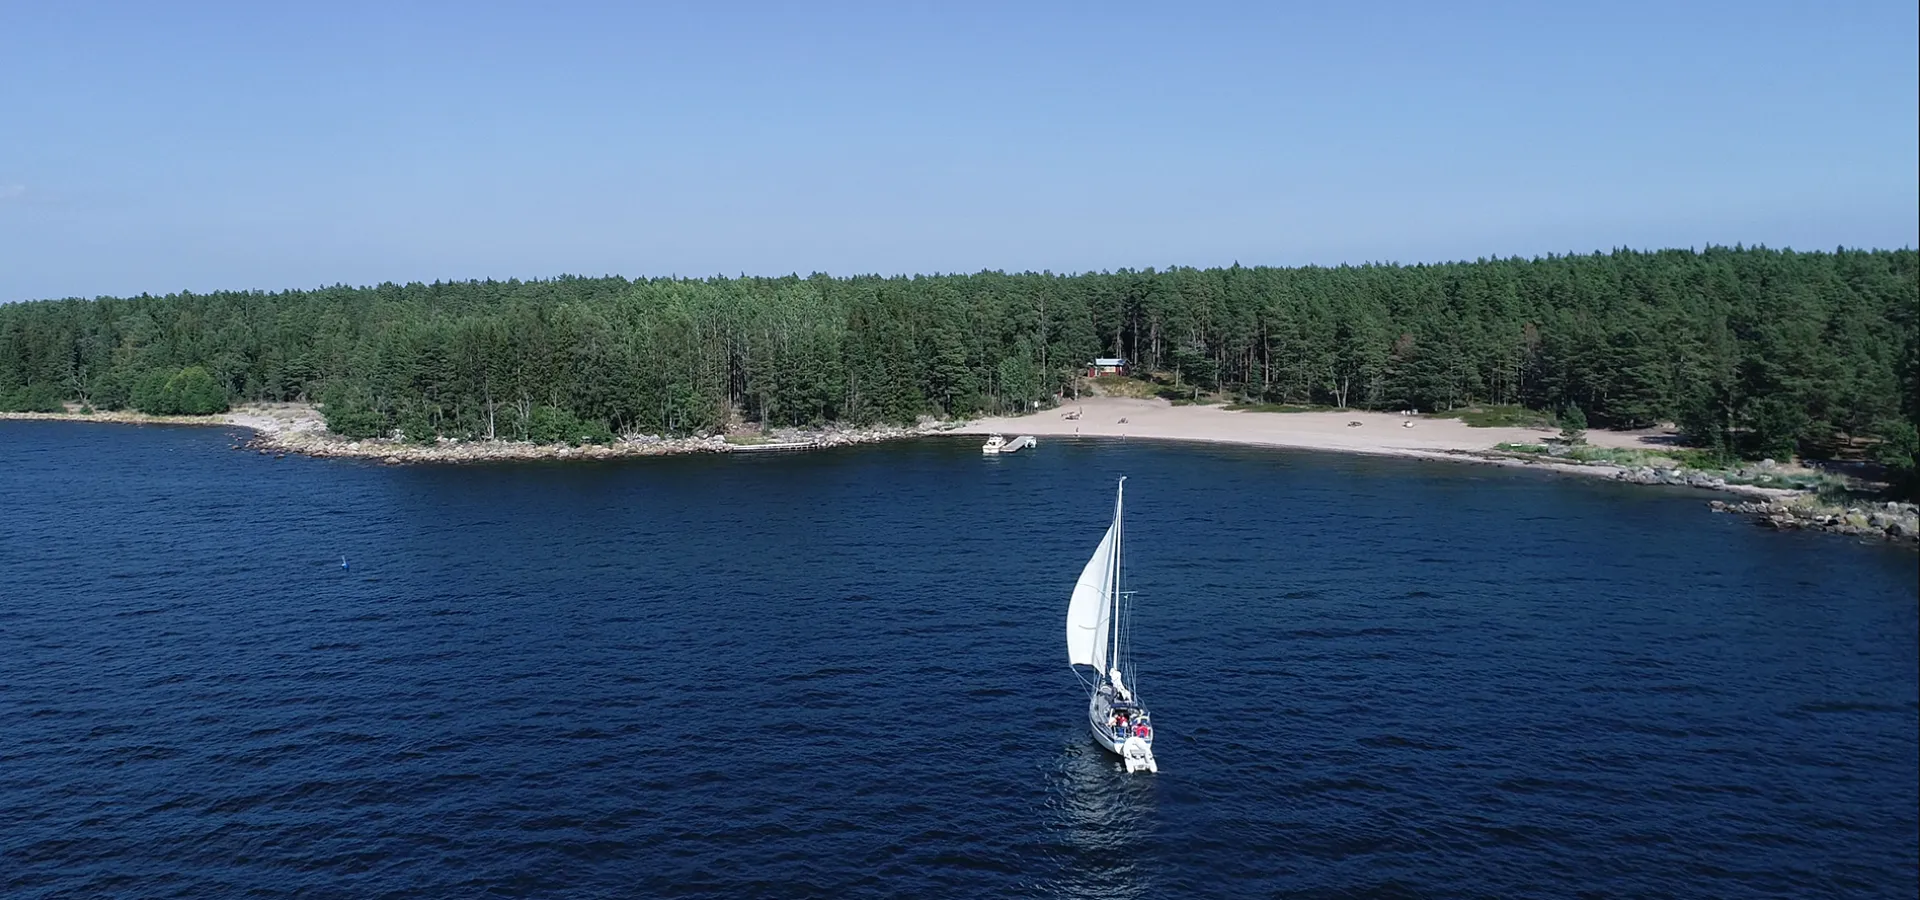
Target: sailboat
{"x": 1097, "y": 643}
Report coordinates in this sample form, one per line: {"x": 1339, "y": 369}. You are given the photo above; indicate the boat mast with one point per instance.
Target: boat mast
{"x": 1113, "y": 658}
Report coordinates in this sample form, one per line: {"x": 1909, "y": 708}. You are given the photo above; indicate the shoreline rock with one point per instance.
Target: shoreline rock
{"x": 1891, "y": 520}
{"x": 117, "y": 417}
{"x": 1675, "y": 477}
{"x": 447, "y": 450}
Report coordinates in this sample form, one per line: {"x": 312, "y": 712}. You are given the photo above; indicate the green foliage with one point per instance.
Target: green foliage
{"x": 194, "y": 392}
{"x": 350, "y": 415}
{"x": 1748, "y": 350}
{"x": 1573, "y": 425}
{"x": 148, "y": 392}
{"x": 41, "y": 398}
{"x": 1774, "y": 427}
{"x": 1496, "y": 417}
{"x": 1899, "y": 451}
{"x": 1836, "y": 491}
{"x": 1900, "y": 445}
{"x": 110, "y": 390}
{"x": 1666, "y": 458}
{"x": 417, "y": 425}
{"x": 553, "y": 425}
{"x": 1521, "y": 448}
{"x": 178, "y": 392}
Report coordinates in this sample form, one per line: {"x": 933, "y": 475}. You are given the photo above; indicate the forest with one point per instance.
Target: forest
{"x": 1751, "y": 351}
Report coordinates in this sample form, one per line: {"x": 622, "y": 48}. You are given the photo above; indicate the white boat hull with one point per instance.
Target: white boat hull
{"x": 996, "y": 445}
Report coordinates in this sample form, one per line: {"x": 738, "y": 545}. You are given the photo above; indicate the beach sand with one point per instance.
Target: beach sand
{"x": 274, "y": 419}
{"x": 1377, "y": 433}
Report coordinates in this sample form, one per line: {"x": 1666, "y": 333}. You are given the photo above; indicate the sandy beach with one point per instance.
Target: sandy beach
{"x": 273, "y": 419}
{"x": 1377, "y": 433}
{"x": 1380, "y": 434}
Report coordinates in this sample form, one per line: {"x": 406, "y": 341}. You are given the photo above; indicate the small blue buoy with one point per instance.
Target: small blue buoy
{"x": 343, "y": 562}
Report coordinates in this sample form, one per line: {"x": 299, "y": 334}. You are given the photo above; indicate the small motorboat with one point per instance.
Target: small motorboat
{"x": 997, "y": 444}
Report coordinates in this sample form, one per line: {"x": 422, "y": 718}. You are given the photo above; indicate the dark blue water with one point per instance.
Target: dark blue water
{"x": 843, "y": 674}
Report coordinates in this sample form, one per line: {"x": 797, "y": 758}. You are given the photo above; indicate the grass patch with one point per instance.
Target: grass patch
{"x": 747, "y": 440}
{"x": 1122, "y": 386}
{"x": 1621, "y": 456}
{"x": 1521, "y": 448}
{"x": 1837, "y": 491}
{"x": 1496, "y": 417}
{"x": 1665, "y": 458}
{"x": 1831, "y": 488}
{"x": 1618, "y": 456}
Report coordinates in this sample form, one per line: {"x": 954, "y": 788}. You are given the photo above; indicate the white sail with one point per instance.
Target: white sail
{"x": 1087, "y": 613}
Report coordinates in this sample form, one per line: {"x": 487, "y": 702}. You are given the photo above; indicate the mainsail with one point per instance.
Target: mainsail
{"x": 1088, "y": 613}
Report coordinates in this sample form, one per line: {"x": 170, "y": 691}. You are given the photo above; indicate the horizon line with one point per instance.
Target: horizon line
{"x": 1150, "y": 269}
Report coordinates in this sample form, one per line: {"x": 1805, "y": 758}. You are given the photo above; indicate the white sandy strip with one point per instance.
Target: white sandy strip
{"x": 1378, "y": 433}
{"x": 267, "y": 418}
{"x": 278, "y": 418}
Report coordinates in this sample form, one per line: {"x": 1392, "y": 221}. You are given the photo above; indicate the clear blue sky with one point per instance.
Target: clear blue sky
{"x": 166, "y": 146}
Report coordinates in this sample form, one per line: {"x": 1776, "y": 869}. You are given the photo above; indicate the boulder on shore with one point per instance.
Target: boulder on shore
{"x": 1894, "y": 522}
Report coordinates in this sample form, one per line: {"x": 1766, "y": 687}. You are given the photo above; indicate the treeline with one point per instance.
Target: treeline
{"x": 1751, "y": 350}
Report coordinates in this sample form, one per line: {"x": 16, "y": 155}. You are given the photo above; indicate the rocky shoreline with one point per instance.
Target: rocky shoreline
{"x": 280, "y": 429}
{"x": 118, "y": 417}
{"x": 1889, "y": 521}
{"x": 446, "y": 450}
{"x": 1782, "y": 509}
{"x": 1676, "y": 477}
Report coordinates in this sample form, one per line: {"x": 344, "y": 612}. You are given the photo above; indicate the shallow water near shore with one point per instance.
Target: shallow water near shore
{"x": 841, "y": 673}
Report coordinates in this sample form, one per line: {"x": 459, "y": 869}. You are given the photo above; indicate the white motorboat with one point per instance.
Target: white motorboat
{"x": 1097, "y": 639}
{"x": 997, "y": 444}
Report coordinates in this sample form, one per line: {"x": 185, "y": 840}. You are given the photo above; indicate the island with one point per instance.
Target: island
{"x": 1737, "y": 368}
